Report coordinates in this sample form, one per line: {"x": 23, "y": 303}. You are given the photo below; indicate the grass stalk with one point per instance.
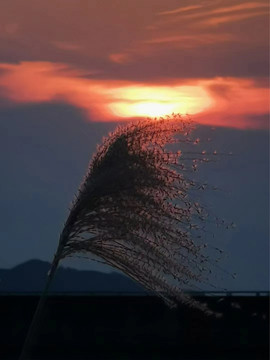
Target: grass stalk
{"x": 37, "y": 317}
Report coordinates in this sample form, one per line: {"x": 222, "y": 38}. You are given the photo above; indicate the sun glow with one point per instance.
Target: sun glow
{"x": 158, "y": 100}
{"x": 233, "y": 102}
{"x": 141, "y": 109}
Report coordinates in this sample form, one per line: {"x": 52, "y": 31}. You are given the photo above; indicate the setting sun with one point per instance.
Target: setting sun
{"x": 142, "y": 109}
{"x": 158, "y": 100}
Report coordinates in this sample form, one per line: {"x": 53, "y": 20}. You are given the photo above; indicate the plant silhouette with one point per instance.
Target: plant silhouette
{"x": 133, "y": 210}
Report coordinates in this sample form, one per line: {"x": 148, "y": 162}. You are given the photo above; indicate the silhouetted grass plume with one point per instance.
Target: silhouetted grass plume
{"x": 133, "y": 210}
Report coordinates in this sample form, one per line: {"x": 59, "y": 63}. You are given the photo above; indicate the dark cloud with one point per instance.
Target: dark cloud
{"x": 140, "y": 40}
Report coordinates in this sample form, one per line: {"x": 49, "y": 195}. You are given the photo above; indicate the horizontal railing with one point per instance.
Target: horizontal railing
{"x": 120, "y": 293}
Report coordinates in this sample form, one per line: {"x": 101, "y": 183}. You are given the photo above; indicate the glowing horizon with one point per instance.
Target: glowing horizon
{"x": 208, "y": 100}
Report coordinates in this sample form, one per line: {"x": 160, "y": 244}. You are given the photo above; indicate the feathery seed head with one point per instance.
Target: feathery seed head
{"x": 133, "y": 209}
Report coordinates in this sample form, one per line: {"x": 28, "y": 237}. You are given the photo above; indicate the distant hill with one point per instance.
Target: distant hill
{"x": 31, "y": 277}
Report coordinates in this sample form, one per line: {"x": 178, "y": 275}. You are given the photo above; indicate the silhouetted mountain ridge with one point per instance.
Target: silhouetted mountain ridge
{"x": 31, "y": 277}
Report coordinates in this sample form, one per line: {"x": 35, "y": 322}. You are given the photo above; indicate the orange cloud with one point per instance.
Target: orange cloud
{"x": 119, "y": 58}
{"x": 160, "y": 38}
{"x": 189, "y": 28}
{"x": 180, "y": 10}
{"x": 231, "y": 18}
{"x": 236, "y": 101}
{"x": 186, "y": 41}
{"x": 219, "y": 101}
{"x": 238, "y": 96}
{"x": 231, "y": 8}
{"x": 31, "y": 82}
{"x": 211, "y": 9}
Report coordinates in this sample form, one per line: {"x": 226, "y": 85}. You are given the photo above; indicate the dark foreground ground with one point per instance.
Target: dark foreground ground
{"x": 135, "y": 327}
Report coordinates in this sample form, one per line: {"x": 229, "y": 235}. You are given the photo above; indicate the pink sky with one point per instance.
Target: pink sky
{"x": 124, "y": 58}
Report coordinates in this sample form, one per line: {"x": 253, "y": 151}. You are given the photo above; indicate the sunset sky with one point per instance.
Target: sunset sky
{"x": 70, "y": 70}
{"x": 124, "y": 58}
